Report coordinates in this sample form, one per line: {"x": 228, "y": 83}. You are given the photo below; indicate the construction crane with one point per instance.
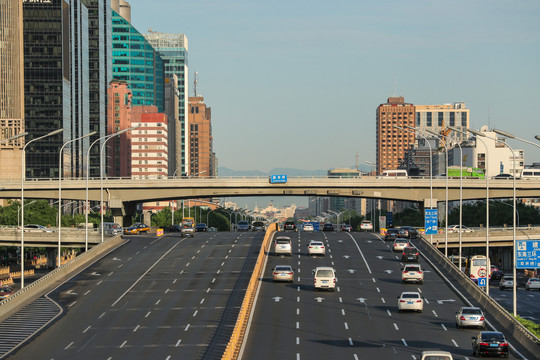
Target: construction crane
{"x": 444, "y": 132}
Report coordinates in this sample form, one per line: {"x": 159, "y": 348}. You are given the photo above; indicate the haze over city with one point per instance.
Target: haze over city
{"x": 282, "y": 78}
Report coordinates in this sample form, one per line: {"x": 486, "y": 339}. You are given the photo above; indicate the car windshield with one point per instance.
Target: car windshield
{"x": 410, "y": 250}
{"x": 325, "y": 273}
{"x": 400, "y": 241}
{"x": 412, "y": 268}
{"x": 410, "y": 296}
{"x": 492, "y": 336}
{"x": 436, "y": 357}
{"x": 471, "y": 311}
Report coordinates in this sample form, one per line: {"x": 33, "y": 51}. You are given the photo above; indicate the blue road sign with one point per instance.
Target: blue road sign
{"x": 528, "y": 254}
{"x": 482, "y": 281}
{"x": 430, "y": 221}
{"x": 277, "y": 179}
{"x": 389, "y": 219}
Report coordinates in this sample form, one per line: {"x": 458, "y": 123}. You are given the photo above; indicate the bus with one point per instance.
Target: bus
{"x": 467, "y": 173}
{"x": 393, "y": 174}
{"x": 478, "y": 266}
{"x": 530, "y": 174}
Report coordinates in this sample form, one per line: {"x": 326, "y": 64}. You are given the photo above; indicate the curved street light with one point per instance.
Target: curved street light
{"x": 23, "y": 175}
{"x": 60, "y": 170}
{"x": 13, "y": 137}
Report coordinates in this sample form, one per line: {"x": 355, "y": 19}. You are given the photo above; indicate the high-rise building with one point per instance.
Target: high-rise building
{"x": 100, "y": 63}
{"x": 173, "y": 49}
{"x": 200, "y": 138}
{"x": 175, "y": 130}
{"x": 149, "y": 143}
{"x": 338, "y": 203}
{"x": 391, "y": 142}
{"x": 134, "y": 60}
{"x": 11, "y": 87}
{"x": 56, "y": 85}
{"x": 119, "y": 118}
{"x": 437, "y": 118}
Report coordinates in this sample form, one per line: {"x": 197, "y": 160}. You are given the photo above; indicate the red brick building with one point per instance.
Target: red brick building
{"x": 118, "y": 157}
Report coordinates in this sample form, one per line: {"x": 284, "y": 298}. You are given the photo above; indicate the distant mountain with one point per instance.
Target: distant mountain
{"x": 224, "y": 171}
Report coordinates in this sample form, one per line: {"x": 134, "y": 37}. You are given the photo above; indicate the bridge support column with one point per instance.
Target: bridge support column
{"x": 147, "y": 215}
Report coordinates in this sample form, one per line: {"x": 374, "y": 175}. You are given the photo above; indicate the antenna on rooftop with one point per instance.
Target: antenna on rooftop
{"x": 195, "y": 83}
{"x": 357, "y": 166}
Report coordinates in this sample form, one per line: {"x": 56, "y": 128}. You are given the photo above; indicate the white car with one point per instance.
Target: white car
{"x": 283, "y": 246}
{"x": 532, "y": 283}
{"x": 37, "y": 228}
{"x": 412, "y": 273}
{"x": 308, "y": 227}
{"x": 410, "y": 300}
{"x": 366, "y": 225}
{"x": 400, "y": 244}
{"x": 455, "y": 229}
{"x": 436, "y": 355}
{"x": 325, "y": 278}
{"x": 507, "y": 282}
{"x": 316, "y": 248}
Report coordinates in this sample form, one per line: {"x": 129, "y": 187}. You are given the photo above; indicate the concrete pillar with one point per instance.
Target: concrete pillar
{"x": 147, "y": 216}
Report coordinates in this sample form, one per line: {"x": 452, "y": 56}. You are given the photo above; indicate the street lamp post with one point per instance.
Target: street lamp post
{"x": 460, "y": 193}
{"x": 23, "y": 175}
{"x": 478, "y": 133}
{"x": 13, "y": 137}
{"x": 60, "y": 170}
{"x": 372, "y": 166}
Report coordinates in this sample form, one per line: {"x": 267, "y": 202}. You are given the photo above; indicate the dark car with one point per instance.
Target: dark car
{"x": 497, "y": 275}
{"x": 408, "y": 232}
{"x": 346, "y": 227}
{"x": 173, "y": 228}
{"x": 289, "y": 225}
{"x": 410, "y": 253}
{"x": 328, "y": 227}
{"x": 258, "y": 226}
{"x": 201, "y": 227}
{"x": 489, "y": 343}
{"x": 391, "y": 234}
{"x": 503, "y": 177}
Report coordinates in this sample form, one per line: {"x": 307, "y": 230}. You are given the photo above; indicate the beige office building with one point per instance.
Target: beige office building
{"x": 11, "y": 87}
{"x": 437, "y": 118}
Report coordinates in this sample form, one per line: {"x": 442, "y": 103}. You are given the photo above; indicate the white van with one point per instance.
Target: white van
{"x": 325, "y": 278}
{"x": 283, "y": 246}
{"x": 393, "y": 174}
{"x": 111, "y": 229}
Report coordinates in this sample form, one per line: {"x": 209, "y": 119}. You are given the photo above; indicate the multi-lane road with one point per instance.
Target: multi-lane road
{"x": 360, "y": 320}
{"x": 178, "y": 298}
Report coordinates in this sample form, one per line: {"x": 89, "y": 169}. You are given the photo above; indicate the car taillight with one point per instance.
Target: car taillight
{"x": 402, "y": 301}
{"x": 322, "y": 247}
{"x": 503, "y": 344}
{"x": 481, "y": 318}
{"x": 310, "y": 247}
{"x": 419, "y": 272}
{"x": 275, "y": 273}
{"x": 416, "y": 254}
{"x": 462, "y": 318}
{"x": 483, "y": 344}
{"x": 289, "y": 273}
{"x": 418, "y": 301}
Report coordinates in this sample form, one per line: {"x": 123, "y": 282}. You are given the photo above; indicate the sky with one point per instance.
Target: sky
{"x": 296, "y": 83}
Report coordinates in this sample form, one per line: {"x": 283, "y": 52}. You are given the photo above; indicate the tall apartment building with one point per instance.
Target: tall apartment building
{"x": 149, "y": 143}
{"x": 175, "y": 130}
{"x": 437, "y": 118}
{"x": 338, "y": 203}
{"x": 119, "y": 118}
{"x": 173, "y": 49}
{"x": 11, "y": 87}
{"x": 56, "y": 85}
{"x": 201, "y": 152}
{"x": 391, "y": 142}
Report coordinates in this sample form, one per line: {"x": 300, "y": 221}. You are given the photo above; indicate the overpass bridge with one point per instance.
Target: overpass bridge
{"x": 122, "y": 195}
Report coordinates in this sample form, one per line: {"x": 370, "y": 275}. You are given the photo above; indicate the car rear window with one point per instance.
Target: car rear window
{"x": 283, "y": 268}
{"x": 283, "y": 241}
{"x": 472, "y": 311}
{"x": 410, "y": 296}
{"x": 325, "y": 273}
{"x": 392, "y": 231}
{"x": 317, "y": 243}
{"x": 412, "y": 268}
{"x": 493, "y": 336}
{"x": 410, "y": 250}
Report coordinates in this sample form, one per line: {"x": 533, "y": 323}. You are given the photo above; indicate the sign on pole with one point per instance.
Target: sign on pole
{"x": 430, "y": 221}
{"x": 389, "y": 219}
{"x": 528, "y": 254}
{"x": 277, "y": 179}
{"x": 482, "y": 282}
{"x": 382, "y": 222}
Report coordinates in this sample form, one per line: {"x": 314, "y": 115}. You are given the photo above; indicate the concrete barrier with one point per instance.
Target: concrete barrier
{"x": 56, "y": 277}
{"x": 523, "y": 336}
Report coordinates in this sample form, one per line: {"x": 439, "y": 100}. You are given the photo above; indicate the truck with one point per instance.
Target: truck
{"x": 187, "y": 227}
{"x": 467, "y": 173}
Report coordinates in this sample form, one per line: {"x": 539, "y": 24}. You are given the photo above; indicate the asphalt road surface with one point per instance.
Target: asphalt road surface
{"x": 360, "y": 320}
{"x": 165, "y": 298}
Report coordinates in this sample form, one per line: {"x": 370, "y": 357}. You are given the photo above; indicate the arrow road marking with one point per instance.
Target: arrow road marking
{"x": 351, "y": 271}
{"x": 388, "y": 271}
{"x": 379, "y": 257}
{"x": 277, "y": 298}
{"x": 346, "y": 256}
{"x": 319, "y": 299}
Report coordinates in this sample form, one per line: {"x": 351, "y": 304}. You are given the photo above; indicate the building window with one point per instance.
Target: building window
{"x": 464, "y": 119}
{"x": 452, "y": 119}
{"x": 441, "y": 117}
{"x": 428, "y": 119}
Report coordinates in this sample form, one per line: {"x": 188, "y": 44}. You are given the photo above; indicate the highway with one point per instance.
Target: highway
{"x": 360, "y": 320}
{"x": 164, "y": 298}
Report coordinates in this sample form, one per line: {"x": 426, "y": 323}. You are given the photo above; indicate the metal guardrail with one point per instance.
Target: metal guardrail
{"x": 235, "y": 342}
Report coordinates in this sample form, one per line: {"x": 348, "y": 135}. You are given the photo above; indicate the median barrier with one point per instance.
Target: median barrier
{"x": 232, "y": 350}
{"x": 56, "y": 277}
{"x": 520, "y": 333}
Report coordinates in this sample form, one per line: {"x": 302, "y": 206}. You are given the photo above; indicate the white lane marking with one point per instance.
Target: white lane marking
{"x": 346, "y": 326}
{"x": 298, "y": 262}
{"x": 338, "y": 289}
{"x": 198, "y": 251}
{"x": 434, "y": 313}
{"x": 427, "y": 301}
{"x": 355, "y": 357}
{"x": 178, "y": 343}
{"x": 395, "y": 326}
{"x": 340, "y": 299}
{"x": 207, "y": 290}
{"x": 350, "y": 342}
{"x": 218, "y": 271}
{"x": 157, "y": 302}
{"x": 297, "y": 340}
{"x": 223, "y": 263}
{"x": 419, "y": 290}
{"x": 299, "y": 281}
{"x": 147, "y": 314}
{"x": 374, "y": 280}
{"x": 136, "y": 328}
{"x": 383, "y": 301}
{"x": 124, "y": 343}
{"x": 102, "y": 315}
{"x": 67, "y": 347}
{"x": 389, "y": 313}
{"x": 73, "y": 303}
{"x": 193, "y": 257}
{"x": 166, "y": 291}
{"x": 181, "y": 272}
{"x": 404, "y": 342}
{"x": 444, "y": 327}
{"x": 298, "y": 325}
{"x": 119, "y": 266}
{"x": 187, "y": 264}
{"x": 455, "y": 343}
{"x": 146, "y": 272}
{"x": 361, "y": 253}
{"x": 213, "y": 280}
{"x": 297, "y": 311}
{"x": 88, "y": 292}
{"x": 298, "y": 299}
{"x": 112, "y": 272}
{"x": 297, "y": 356}
{"x": 378, "y": 290}
{"x": 99, "y": 282}
{"x": 174, "y": 281}
{"x": 343, "y": 312}
{"x": 333, "y": 263}
{"x": 187, "y": 327}
{"x": 330, "y": 256}
{"x": 88, "y": 328}
{"x": 298, "y": 270}
{"x": 202, "y": 301}
{"x": 195, "y": 313}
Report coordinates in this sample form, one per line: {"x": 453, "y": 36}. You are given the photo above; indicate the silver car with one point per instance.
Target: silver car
{"x": 507, "y": 282}
{"x": 283, "y": 273}
{"x": 412, "y": 273}
{"x": 283, "y": 245}
{"x": 470, "y": 317}
{"x": 316, "y": 248}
